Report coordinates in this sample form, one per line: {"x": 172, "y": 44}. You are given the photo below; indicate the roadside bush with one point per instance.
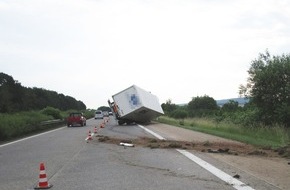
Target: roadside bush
{"x": 19, "y": 124}
{"x": 25, "y": 123}
{"x": 245, "y": 117}
{"x": 50, "y": 111}
{"x": 89, "y": 113}
{"x": 179, "y": 114}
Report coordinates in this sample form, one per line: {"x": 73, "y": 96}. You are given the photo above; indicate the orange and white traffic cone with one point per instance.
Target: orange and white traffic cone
{"x": 89, "y": 136}
{"x": 43, "y": 183}
{"x": 95, "y": 130}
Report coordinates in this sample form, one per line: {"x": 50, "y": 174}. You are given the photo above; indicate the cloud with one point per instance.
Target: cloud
{"x": 176, "y": 49}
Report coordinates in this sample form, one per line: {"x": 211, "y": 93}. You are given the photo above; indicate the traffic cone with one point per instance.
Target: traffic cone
{"x": 89, "y": 136}
{"x": 95, "y": 130}
{"x": 43, "y": 183}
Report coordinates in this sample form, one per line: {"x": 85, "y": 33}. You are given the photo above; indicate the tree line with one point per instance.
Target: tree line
{"x": 268, "y": 91}
{"x": 15, "y": 98}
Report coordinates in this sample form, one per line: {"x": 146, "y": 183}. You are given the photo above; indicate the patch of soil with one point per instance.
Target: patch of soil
{"x": 207, "y": 146}
{"x": 284, "y": 151}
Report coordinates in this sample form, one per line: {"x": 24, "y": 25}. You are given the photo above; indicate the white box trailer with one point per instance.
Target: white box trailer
{"x": 135, "y": 105}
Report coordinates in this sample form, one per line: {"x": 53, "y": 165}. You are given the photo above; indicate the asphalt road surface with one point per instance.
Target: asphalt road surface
{"x": 72, "y": 163}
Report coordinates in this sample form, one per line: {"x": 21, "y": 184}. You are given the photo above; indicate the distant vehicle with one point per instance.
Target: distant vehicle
{"x": 106, "y": 114}
{"x": 99, "y": 114}
{"x": 135, "y": 105}
{"x": 110, "y": 113}
{"x": 76, "y": 118}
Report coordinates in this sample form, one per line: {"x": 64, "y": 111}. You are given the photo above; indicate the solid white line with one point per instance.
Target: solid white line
{"x": 215, "y": 171}
{"x": 207, "y": 166}
{"x": 151, "y": 132}
{"x": 30, "y": 137}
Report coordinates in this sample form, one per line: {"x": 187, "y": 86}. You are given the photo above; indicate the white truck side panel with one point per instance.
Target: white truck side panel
{"x": 149, "y": 100}
{"x": 137, "y": 104}
{"x": 126, "y": 101}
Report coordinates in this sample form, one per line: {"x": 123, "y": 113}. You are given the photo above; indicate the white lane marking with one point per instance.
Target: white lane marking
{"x": 215, "y": 171}
{"x": 151, "y": 132}
{"x": 207, "y": 166}
{"x": 30, "y": 137}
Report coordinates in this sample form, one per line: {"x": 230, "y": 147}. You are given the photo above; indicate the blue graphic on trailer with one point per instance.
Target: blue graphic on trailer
{"x": 134, "y": 100}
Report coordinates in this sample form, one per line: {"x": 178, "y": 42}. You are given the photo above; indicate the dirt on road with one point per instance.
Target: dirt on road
{"x": 266, "y": 164}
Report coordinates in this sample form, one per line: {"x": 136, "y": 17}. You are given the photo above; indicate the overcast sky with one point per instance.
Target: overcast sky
{"x": 177, "y": 49}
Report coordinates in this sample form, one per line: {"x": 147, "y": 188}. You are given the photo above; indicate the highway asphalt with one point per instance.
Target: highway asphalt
{"x": 72, "y": 163}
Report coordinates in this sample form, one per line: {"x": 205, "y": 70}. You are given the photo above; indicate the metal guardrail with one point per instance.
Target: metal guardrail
{"x": 53, "y": 122}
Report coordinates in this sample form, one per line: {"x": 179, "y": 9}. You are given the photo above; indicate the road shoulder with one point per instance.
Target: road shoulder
{"x": 265, "y": 165}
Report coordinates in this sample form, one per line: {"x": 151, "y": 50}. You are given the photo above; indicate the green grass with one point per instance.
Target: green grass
{"x": 275, "y": 136}
{"x": 18, "y": 124}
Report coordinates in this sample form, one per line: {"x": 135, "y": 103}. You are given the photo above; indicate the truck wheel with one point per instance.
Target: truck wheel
{"x": 120, "y": 122}
{"x": 129, "y": 122}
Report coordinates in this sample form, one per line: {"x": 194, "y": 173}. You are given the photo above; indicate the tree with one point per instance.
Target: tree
{"x": 15, "y": 98}
{"x": 230, "y": 106}
{"x": 11, "y": 94}
{"x": 168, "y": 107}
{"x": 268, "y": 87}
{"x": 104, "y": 108}
{"x": 179, "y": 113}
{"x": 202, "y": 106}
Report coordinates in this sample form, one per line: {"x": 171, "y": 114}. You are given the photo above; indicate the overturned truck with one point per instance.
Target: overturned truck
{"x": 135, "y": 105}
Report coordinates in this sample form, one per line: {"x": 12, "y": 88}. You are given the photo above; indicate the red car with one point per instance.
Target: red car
{"x": 76, "y": 118}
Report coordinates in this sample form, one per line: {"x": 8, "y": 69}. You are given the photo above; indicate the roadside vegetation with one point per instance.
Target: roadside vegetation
{"x": 24, "y": 111}
{"x": 16, "y": 98}
{"x": 267, "y": 137}
{"x": 20, "y": 124}
{"x": 263, "y": 121}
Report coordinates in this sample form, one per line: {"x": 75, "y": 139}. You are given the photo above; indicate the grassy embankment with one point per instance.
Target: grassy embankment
{"x": 22, "y": 124}
{"x": 272, "y": 137}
